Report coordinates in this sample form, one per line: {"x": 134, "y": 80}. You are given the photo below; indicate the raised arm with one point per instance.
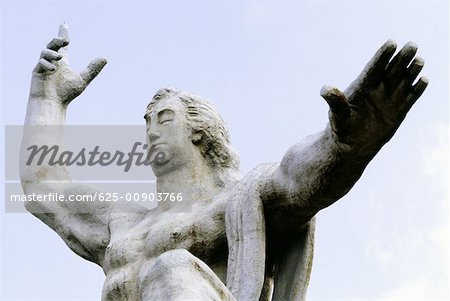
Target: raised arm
{"x": 321, "y": 169}
{"x": 53, "y": 86}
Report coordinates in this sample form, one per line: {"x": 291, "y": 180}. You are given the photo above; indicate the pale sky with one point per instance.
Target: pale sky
{"x": 262, "y": 63}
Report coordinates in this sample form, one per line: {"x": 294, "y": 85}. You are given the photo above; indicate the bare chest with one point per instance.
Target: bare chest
{"x": 202, "y": 233}
{"x": 140, "y": 237}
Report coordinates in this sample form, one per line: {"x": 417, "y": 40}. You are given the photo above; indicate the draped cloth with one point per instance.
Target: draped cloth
{"x": 248, "y": 277}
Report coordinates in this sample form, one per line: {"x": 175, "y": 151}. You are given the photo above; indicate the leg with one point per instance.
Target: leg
{"x": 179, "y": 275}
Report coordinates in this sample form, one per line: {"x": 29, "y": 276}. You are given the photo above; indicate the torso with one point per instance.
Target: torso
{"x": 137, "y": 239}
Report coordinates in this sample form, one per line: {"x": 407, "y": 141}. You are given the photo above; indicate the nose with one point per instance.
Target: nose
{"x": 153, "y": 131}
{"x": 153, "y": 136}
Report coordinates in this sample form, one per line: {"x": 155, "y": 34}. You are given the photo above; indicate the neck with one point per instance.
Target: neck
{"x": 192, "y": 182}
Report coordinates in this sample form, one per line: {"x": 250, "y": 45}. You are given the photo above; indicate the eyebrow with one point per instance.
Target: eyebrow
{"x": 167, "y": 110}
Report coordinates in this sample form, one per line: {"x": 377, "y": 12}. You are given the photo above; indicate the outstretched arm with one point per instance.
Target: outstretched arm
{"x": 53, "y": 86}
{"x": 321, "y": 169}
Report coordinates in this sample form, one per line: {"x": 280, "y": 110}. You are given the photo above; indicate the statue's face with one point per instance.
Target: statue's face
{"x": 168, "y": 132}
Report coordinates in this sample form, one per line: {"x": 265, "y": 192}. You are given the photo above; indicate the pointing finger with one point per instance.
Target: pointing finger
{"x": 64, "y": 34}
{"x": 63, "y": 31}
{"x": 93, "y": 69}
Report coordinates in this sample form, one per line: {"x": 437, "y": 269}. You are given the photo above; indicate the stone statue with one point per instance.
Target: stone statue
{"x": 245, "y": 238}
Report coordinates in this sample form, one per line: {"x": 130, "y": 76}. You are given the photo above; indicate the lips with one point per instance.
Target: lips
{"x": 158, "y": 144}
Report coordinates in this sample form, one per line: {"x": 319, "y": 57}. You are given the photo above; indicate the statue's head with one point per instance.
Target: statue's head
{"x": 182, "y": 125}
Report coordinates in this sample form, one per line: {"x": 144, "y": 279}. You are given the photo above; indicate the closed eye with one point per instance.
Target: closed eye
{"x": 166, "y": 116}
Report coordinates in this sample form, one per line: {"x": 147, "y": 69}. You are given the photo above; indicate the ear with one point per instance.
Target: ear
{"x": 197, "y": 137}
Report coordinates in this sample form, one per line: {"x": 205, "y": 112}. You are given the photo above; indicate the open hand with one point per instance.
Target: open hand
{"x": 367, "y": 114}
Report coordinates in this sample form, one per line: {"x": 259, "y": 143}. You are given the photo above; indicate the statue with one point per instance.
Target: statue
{"x": 245, "y": 238}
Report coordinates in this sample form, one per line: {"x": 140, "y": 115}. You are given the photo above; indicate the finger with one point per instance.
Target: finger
{"x": 380, "y": 60}
{"x": 44, "y": 66}
{"x": 63, "y": 31}
{"x": 93, "y": 69}
{"x": 414, "y": 69}
{"x": 50, "y": 55}
{"x": 420, "y": 86}
{"x": 396, "y": 68}
{"x": 336, "y": 100}
{"x": 417, "y": 91}
{"x": 57, "y": 43}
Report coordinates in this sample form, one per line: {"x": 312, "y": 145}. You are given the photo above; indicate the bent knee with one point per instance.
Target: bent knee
{"x": 173, "y": 259}
{"x": 169, "y": 263}
{"x": 179, "y": 275}
{"x": 166, "y": 277}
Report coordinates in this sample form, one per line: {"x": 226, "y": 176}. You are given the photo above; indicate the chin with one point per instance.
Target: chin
{"x": 163, "y": 170}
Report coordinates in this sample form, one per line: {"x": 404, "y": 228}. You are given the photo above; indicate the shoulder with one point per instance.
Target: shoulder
{"x": 258, "y": 178}
{"x": 257, "y": 175}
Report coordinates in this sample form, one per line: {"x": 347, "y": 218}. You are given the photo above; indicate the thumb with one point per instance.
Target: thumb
{"x": 336, "y": 100}
{"x": 92, "y": 70}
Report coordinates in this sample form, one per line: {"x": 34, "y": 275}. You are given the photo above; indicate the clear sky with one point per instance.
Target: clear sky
{"x": 262, "y": 63}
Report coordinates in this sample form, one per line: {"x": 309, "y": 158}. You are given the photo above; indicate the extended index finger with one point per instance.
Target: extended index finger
{"x": 63, "y": 34}
{"x": 63, "y": 31}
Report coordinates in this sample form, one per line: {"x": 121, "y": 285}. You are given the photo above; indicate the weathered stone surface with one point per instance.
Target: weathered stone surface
{"x": 231, "y": 238}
